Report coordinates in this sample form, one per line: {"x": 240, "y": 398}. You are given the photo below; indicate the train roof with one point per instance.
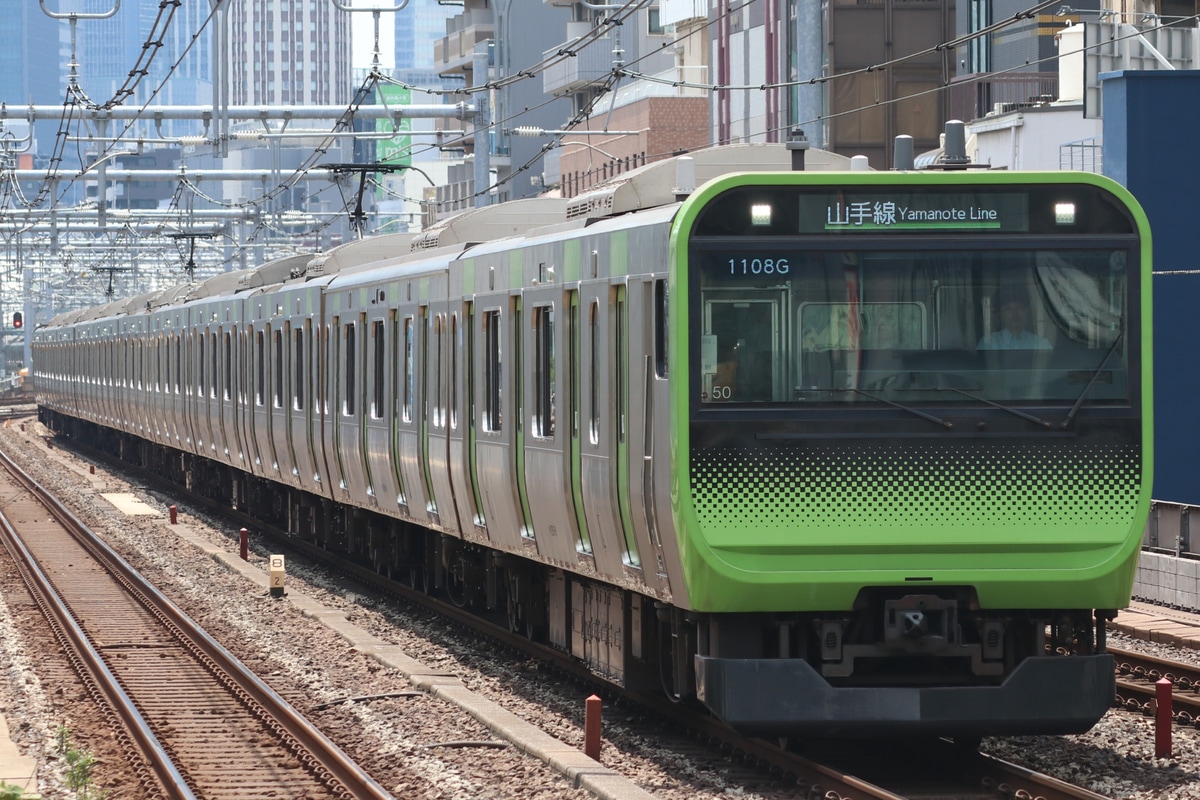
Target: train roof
{"x": 487, "y": 223}
{"x": 358, "y": 252}
{"x": 668, "y": 181}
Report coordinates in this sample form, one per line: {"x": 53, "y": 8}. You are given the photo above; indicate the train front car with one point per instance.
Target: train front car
{"x": 913, "y": 449}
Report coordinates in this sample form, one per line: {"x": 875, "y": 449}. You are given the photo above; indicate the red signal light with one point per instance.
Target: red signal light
{"x": 18, "y": 320}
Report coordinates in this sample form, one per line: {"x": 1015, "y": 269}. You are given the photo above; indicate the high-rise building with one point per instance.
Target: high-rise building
{"x": 418, "y": 25}
{"x": 288, "y": 52}
{"x": 26, "y": 37}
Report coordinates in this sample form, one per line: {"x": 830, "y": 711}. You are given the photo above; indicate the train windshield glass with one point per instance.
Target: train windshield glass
{"x": 1009, "y": 325}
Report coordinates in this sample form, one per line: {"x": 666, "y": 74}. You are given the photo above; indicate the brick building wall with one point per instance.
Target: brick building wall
{"x": 665, "y": 126}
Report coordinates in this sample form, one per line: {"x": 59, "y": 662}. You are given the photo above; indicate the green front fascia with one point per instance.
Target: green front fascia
{"x": 839, "y": 522}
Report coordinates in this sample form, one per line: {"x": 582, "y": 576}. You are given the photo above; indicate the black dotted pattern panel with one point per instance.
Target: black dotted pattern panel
{"x": 872, "y": 484}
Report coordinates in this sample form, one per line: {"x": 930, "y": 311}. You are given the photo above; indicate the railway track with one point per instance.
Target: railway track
{"x": 1138, "y": 674}
{"x": 197, "y": 722}
{"x": 861, "y": 771}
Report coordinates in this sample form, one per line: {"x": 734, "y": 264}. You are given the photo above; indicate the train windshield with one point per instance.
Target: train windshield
{"x": 1009, "y": 325}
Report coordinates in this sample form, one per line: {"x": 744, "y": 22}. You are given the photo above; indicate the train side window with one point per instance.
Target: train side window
{"x": 278, "y": 369}
{"x": 298, "y": 366}
{"x": 543, "y": 371}
{"x": 351, "y": 376}
{"x": 378, "y": 362}
{"x": 660, "y": 328}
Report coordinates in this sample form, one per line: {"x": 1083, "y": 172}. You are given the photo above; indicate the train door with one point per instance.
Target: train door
{"x": 495, "y": 438}
{"x": 243, "y": 391}
{"x": 645, "y": 393}
{"x": 377, "y": 446}
{"x": 222, "y": 383}
{"x": 256, "y": 377}
{"x": 574, "y": 418}
{"x": 437, "y": 418}
{"x": 458, "y": 425}
{"x": 546, "y": 476}
{"x": 230, "y": 366}
{"x": 410, "y": 424}
{"x": 281, "y": 457}
{"x": 597, "y": 438}
{"x": 286, "y": 410}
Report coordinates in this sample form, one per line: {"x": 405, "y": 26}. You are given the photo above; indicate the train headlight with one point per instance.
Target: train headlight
{"x": 1064, "y": 213}
{"x": 760, "y": 214}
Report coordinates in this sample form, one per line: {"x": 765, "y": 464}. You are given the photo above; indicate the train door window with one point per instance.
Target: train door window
{"x": 200, "y": 364}
{"x": 260, "y": 368}
{"x": 213, "y": 353}
{"x": 660, "y": 328}
{"x": 594, "y": 373}
{"x": 298, "y": 367}
{"x": 455, "y": 347}
{"x": 439, "y": 418}
{"x": 543, "y": 371}
{"x": 351, "y": 376}
{"x": 278, "y": 382}
{"x": 619, "y": 360}
{"x": 491, "y": 371}
{"x": 228, "y": 383}
{"x": 408, "y": 372}
{"x": 573, "y": 363}
{"x": 378, "y": 362}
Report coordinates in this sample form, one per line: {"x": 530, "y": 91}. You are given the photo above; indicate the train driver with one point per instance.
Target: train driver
{"x": 1015, "y": 329}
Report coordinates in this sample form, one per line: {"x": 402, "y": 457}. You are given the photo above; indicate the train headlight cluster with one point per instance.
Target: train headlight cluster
{"x": 1064, "y": 213}
{"x": 760, "y": 214}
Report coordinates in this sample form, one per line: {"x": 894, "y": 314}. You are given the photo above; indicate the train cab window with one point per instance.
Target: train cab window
{"x": 491, "y": 371}
{"x": 911, "y": 326}
{"x": 543, "y": 371}
{"x": 378, "y": 371}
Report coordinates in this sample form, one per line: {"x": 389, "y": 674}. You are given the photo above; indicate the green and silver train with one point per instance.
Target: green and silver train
{"x": 831, "y": 452}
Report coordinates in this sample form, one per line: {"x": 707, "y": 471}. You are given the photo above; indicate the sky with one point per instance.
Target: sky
{"x": 362, "y": 33}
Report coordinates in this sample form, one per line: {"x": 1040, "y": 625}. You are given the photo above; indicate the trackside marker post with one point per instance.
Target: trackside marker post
{"x": 1162, "y": 718}
{"x": 244, "y": 544}
{"x": 591, "y": 728}
{"x": 276, "y": 575}
{"x": 174, "y": 515}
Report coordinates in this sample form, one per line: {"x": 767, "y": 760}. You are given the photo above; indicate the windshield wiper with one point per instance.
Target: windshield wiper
{"x": 945, "y": 423}
{"x": 1066, "y": 423}
{"x": 1016, "y": 412}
